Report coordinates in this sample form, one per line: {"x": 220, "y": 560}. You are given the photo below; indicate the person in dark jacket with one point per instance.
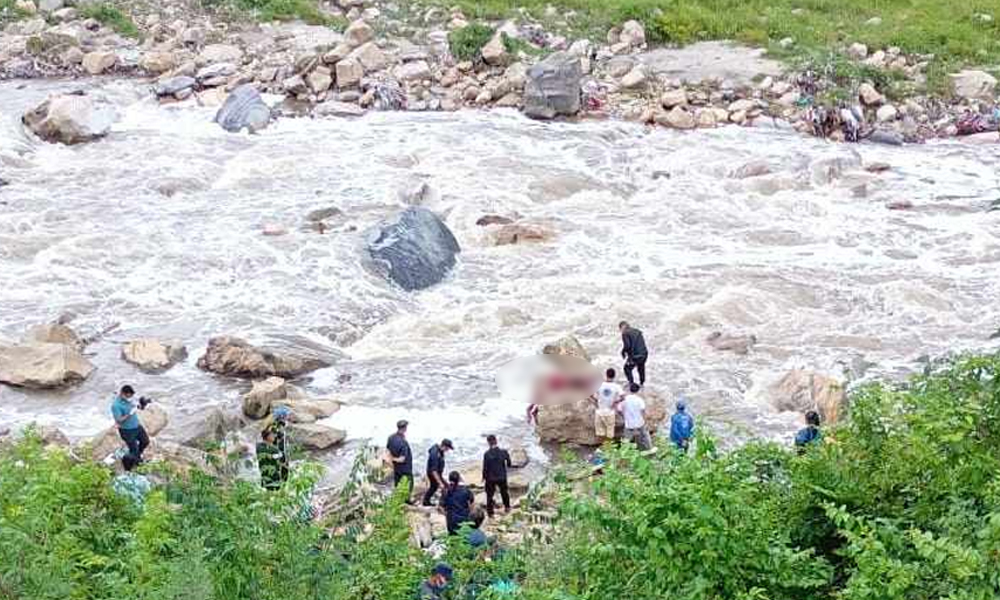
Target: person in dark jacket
{"x": 400, "y": 455}
{"x": 810, "y": 434}
{"x": 435, "y": 469}
{"x": 495, "y": 463}
{"x": 433, "y": 587}
{"x": 634, "y": 352}
{"x": 457, "y": 503}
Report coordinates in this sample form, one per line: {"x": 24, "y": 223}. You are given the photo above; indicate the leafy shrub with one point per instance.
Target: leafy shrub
{"x": 466, "y": 42}
{"x": 112, "y": 16}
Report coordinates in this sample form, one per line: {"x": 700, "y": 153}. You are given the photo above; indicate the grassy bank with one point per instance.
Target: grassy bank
{"x": 956, "y": 33}
{"x": 902, "y": 502}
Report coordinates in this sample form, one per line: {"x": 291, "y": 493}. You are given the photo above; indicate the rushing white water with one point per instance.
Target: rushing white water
{"x": 159, "y": 227}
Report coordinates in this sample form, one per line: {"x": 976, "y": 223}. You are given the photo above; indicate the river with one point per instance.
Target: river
{"x": 159, "y": 227}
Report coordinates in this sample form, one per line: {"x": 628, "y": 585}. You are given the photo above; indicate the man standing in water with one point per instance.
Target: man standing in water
{"x": 634, "y": 352}
{"x": 129, "y": 428}
{"x": 435, "y": 469}
{"x": 400, "y": 455}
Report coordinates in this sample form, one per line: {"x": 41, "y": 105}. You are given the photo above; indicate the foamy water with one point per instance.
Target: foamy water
{"x": 159, "y": 228}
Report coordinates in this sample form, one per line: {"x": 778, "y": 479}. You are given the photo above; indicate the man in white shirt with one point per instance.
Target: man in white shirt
{"x": 604, "y": 415}
{"x": 634, "y": 413}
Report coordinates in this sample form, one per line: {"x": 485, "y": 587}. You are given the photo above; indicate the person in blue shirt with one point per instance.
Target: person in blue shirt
{"x": 457, "y": 503}
{"x": 126, "y": 418}
{"x": 476, "y": 538}
{"x": 810, "y": 434}
{"x": 681, "y": 427}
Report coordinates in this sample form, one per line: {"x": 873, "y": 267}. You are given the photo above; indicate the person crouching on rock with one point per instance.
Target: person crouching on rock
{"x": 124, "y": 411}
{"x": 456, "y": 502}
{"x": 271, "y": 460}
{"x": 810, "y": 434}
{"x": 435, "y": 469}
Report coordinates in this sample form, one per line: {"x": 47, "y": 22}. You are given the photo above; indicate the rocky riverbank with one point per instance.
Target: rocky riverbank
{"x": 404, "y": 58}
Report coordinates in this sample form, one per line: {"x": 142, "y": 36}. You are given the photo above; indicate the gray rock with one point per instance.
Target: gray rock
{"x": 50, "y": 5}
{"x": 169, "y": 87}
{"x": 244, "y": 109}
{"x": 70, "y": 119}
{"x": 332, "y": 108}
{"x": 887, "y": 137}
{"x": 553, "y": 87}
{"x": 974, "y": 85}
{"x": 215, "y": 70}
{"x": 417, "y": 249}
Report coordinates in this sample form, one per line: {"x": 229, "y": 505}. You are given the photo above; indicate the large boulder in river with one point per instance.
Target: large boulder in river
{"x": 244, "y": 109}
{"x": 70, "y": 119}
{"x": 313, "y": 436}
{"x": 417, "y": 249}
{"x": 153, "y": 355}
{"x": 553, "y": 87}
{"x": 54, "y": 333}
{"x": 235, "y": 357}
{"x": 800, "y": 390}
{"x": 567, "y": 346}
{"x": 42, "y": 365}
{"x": 204, "y": 427}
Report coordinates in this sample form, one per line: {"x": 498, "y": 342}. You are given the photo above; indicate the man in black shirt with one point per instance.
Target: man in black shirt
{"x": 402, "y": 458}
{"x": 435, "y": 469}
{"x": 634, "y": 352}
{"x": 495, "y": 463}
{"x": 457, "y": 501}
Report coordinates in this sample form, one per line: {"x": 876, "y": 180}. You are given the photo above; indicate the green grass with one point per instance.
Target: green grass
{"x": 281, "y": 10}
{"x": 9, "y": 12}
{"x": 952, "y": 31}
{"x": 112, "y": 16}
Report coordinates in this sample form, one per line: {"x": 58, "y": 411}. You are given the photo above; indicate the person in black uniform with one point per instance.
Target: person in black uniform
{"x": 634, "y": 352}
{"x": 495, "y": 463}
{"x": 435, "y": 469}
{"x": 457, "y": 501}
{"x": 400, "y": 455}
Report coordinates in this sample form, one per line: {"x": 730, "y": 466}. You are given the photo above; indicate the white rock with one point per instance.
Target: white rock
{"x": 319, "y": 80}
{"x": 358, "y": 33}
{"x": 581, "y": 48}
{"x": 349, "y": 73}
{"x": 886, "y": 113}
{"x": 220, "y": 53}
{"x": 332, "y": 108}
{"x": 633, "y": 34}
{"x": 743, "y": 105}
{"x": 973, "y": 85}
{"x": 869, "y": 95}
{"x": 672, "y": 98}
{"x": 677, "y": 118}
{"x": 98, "y": 62}
{"x": 70, "y": 119}
{"x": 158, "y": 62}
{"x": 857, "y": 51}
{"x": 706, "y": 118}
{"x": 494, "y": 52}
{"x": 634, "y": 78}
{"x": 153, "y": 355}
{"x": 413, "y": 71}
{"x": 371, "y": 57}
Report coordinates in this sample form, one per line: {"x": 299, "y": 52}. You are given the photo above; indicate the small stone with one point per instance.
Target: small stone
{"x": 358, "y": 33}
{"x": 319, "y": 80}
{"x": 886, "y": 113}
{"x": 857, "y": 51}
{"x": 215, "y": 71}
{"x": 332, "y": 108}
{"x": 634, "y": 78}
{"x": 633, "y": 34}
{"x": 672, "y": 98}
{"x": 876, "y": 60}
{"x": 349, "y": 73}
{"x": 192, "y": 36}
{"x": 706, "y": 118}
{"x": 869, "y": 95}
{"x": 744, "y": 105}
{"x": 786, "y": 43}
{"x": 26, "y": 6}
{"x": 874, "y": 22}
{"x": 220, "y": 53}
{"x": 413, "y": 71}
{"x": 677, "y": 118}
{"x": 494, "y": 52}
{"x": 295, "y": 85}
{"x": 158, "y": 62}
{"x": 371, "y": 57}
{"x": 72, "y": 56}
{"x": 337, "y": 54}
{"x": 96, "y": 63}
{"x": 790, "y": 99}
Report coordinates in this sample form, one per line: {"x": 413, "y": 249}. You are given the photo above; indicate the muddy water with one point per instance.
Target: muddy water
{"x": 159, "y": 228}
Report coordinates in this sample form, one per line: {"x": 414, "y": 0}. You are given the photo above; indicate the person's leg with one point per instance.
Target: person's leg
{"x": 640, "y": 364}
{"x": 143, "y": 441}
{"x": 131, "y": 439}
{"x": 644, "y": 441}
{"x": 629, "y": 365}
{"x": 491, "y": 488}
{"x": 429, "y": 494}
{"x": 505, "y": 495}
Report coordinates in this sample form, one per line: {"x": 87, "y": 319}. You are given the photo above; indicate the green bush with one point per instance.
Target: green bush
{"x": 466, "y": 42}
{"x": 112, "y": 16}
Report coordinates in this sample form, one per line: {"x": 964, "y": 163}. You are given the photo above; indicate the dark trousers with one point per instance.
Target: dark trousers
{"x": 431, "y": 489}
{"x": 493, "y": 486}
{"x": 136, "y": 439}
{"x": 640, "y": 365}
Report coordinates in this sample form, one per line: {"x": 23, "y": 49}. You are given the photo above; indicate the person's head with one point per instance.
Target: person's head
{"x": 478, "y": 515}
{"x": 126, "y": 392}
{"x": 267, "y": 435}
{"x": 446, "y": 445}
{"x": 401, "y": 425}
{"x": 491, "y": 440}
{"x": 634, "y": 388}
{"x": 681, "y": 406}
{"x": 622, "y": 326}
{"x": 441, "y": 575}
{"x": 610, "y": 374}
{"x": 812, "y": 418}
{"x": 454, "y": 478}
{"x": 129, "y": 462}
{"x": 281, "y": 413}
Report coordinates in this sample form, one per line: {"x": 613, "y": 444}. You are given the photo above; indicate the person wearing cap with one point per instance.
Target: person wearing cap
{"x": 433, "y": 586}
{"x": 456, "y": 501}
{"x": 435, "y": 469}
{"x": 681, "y": 427}
{"x": 400, "y": 455}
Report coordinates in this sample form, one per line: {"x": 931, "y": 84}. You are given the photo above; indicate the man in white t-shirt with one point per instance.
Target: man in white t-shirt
{"x": 634, "y": 413}
{"x": 604, "y": 415}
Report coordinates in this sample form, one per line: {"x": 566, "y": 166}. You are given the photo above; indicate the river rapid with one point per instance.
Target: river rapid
{"x": 159, "y": 228}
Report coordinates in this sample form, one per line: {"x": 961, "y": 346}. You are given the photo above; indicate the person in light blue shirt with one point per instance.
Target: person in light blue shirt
{"x": 681, "y": 427}
{"x": 130, "y": 429}
{"x": 130, "y": 484}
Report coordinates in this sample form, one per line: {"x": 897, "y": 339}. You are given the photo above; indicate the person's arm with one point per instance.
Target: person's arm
{"x": 506, "y": 458}
{"x": 484, "y": 467}
{"x": 626, "y": 346}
